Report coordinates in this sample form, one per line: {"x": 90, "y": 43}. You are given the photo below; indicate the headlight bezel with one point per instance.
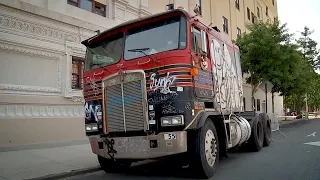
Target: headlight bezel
{"x": 93, "y": 127}
{"x": 170, "y": 120}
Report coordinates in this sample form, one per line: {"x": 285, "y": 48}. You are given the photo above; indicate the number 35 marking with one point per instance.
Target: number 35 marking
{"x": 170, "y": 136}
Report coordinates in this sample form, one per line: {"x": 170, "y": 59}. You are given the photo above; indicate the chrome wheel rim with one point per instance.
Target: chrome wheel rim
{"x": 210, "y": 147}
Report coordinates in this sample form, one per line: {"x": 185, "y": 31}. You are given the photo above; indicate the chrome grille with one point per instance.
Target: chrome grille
{"x": 114, "y": 108}
{"x": 125, "y": 109}
{"x": 133, "y": 105}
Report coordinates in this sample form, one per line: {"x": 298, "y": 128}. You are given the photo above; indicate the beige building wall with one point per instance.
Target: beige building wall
{"x": 213, "y": 10}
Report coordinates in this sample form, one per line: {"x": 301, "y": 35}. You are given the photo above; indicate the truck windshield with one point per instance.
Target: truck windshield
{"x": 105, "y": 53}
{"x": 160, "y": 36}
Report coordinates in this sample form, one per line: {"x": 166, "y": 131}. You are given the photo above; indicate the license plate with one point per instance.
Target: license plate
{"x": 170, "y": 136}
{"x": 131, "y": 145}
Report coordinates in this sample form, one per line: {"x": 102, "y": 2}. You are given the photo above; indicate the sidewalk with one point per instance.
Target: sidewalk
{"x": 33, "y": 161}
{"x": 290, "y": 121}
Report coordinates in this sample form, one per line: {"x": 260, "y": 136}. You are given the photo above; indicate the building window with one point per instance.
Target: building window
{"x": 73, "y": 2}
{"x": 244, "y": 103}
{"x": 238, "y": 32}
{"x": 100, "y": 9}
{"x": 198, "y": 3}
{"x": 258, "y": 105}
{"x": 267, "y": 13}
{"x": 89, "y": 5}
{"x": 225, "y": 25}
{"x": 237, "y": 4}
{"x": 252, "y": 17}
{"x": 258, "y": 12}
{"x": 263, "y": 107}
{"x": 248, "y": 13}
{"x": 77, "y": 72}
{"x": 273, "y": 2}
{"x": 86, "y": 5}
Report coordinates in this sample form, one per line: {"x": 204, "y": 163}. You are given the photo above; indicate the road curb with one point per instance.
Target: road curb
{"x": 67, "y": 174}
{"x": 292, "y": 122}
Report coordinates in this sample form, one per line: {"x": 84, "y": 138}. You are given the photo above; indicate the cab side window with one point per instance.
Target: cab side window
{"x": 196, "y": 40}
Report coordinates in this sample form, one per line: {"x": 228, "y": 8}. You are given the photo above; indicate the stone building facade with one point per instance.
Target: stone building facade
{"x": 40, "y": 64}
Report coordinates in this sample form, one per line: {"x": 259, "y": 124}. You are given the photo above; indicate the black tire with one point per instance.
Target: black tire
{"x": 255, "y": 142}
{"x": 267, "y": 129}
{"x": 199, "y": 162}
{"x": 111, "y": 166}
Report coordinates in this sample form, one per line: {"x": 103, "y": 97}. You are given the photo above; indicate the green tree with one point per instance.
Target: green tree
{"x": 314, "y": 92}
{"x": 318, "y": 62}
{"x": 309, "y": 47}
{"x": 301, "y": 83}
{"x": 287, "y": 74}
{"x": 267, "y": 54}
{"x": 305, "y": 77}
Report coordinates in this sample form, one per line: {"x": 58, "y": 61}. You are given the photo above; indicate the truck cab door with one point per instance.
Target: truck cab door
{"x": 203, "y": 82}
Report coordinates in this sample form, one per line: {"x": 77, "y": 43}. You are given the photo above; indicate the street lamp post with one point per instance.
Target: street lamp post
{"x": 307, "y": 113}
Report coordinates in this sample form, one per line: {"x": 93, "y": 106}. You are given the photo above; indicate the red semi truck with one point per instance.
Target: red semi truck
{"x": 167, "y": 85}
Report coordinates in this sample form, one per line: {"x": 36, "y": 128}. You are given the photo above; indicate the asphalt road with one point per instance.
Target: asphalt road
{"x": 287, "y": 158}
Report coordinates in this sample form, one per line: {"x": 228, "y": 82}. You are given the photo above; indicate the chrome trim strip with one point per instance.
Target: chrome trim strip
{"x": 123, "y": 111}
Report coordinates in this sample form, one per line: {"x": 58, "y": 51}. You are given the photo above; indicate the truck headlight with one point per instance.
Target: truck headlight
{"x": 172, "y": 120}
{"x": 91, "y": 127}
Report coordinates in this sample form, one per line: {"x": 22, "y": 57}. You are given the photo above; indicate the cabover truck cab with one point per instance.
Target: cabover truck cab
{"x": 167, "y": 85}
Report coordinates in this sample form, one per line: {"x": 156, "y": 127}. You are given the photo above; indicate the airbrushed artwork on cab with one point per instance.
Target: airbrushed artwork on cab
{"x": 228, "y": 81}
{"x": 166, "y": 88}
{"x": 93, "y": 111}
{"x": 162, "y": 83}
{"x": 160, "y": 88}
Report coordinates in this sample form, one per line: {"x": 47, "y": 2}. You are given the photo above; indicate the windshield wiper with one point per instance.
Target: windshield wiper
{"x": 141, "y": 50}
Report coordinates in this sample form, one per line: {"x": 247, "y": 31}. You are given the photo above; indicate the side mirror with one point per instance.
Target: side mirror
{"x": 200, "y": 42}
{"x": 204, "y": 47}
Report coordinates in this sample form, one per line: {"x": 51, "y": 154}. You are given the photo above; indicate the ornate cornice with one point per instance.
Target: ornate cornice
{"x": 77, "y": 99}
{"x": 145, "y": 12}
{"x": 14, "y": 87}
{"x": 40, "y": 111}
{"x": 39, "y": 30}
{"x": 22, "y": 50}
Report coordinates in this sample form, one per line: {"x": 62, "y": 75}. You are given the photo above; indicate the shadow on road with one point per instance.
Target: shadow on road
{"x": 166, "y": 169}
{"x": 159, "y": 169}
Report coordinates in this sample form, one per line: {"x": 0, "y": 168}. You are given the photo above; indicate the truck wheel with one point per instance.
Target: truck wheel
{"x": 110, "y": 166}
{"x": 266, "y": 128}
{"x": 206, "y": 150}
{"x": 255, "y": 142}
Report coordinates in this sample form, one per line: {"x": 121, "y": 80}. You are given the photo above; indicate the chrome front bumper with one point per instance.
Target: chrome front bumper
{"x": 140, "y": 147}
